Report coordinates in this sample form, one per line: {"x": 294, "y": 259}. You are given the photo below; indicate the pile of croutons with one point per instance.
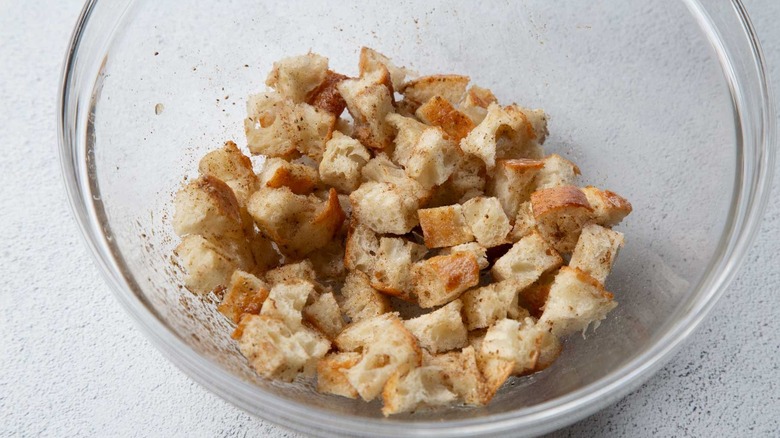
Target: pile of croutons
{"x": 429, "y": 192}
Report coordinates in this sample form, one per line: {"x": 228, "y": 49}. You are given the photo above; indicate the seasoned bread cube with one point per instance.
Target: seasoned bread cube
{"x": 575, "y": 301}
{"x": 361, "y": 248}
{"x": 433, "y": 159}
{"x": 291, "y": 273}
{"x": 529, "y": 258}
{"x": 512, "y": 182}
{"x": 372, "y": 61}
{"x": 438, "y": 111}
{"x": 326, "y": 96}
{"x": 420, "y": 90}
{"x": 495, "y": 371}
{"x": 245, "y": 294}
{"x": 381, "y": 169}
{"x": 387, "y": 348}
{"x": 525, "y": 223}
{"x": 298, "y": 224}
{"x": 461, "y": 374}
{"x": 440, "y": 330}
{"x": 299, "y": 178}
{"x": 408, "y": 132}
{"x": 444, "y": 226}
{"x": 233, "y": 168}
{"x": 479, "y": 251}
{"x": 557, "y": 172}
{"x": 520, "y": 343}
{"x": 360, "y": 300}
{"x": 393, "y": 266}
{"x": 331, "y": 377}
{"x": 385, "y": 207}
{"x": 596, "y": 251}
{"x": 369, "y": 101}
{"x": 476, "y": 102}
{"x": 342, "y": 162}
{"x": 422, "y": 387}
{"x": 466, "y": 182}
{"x": 487, "y": 221}
{"x": 285, "y": 302}
{"x": 439, "y": 280}
{"x": 324, "y": 314}
{"x": 328, "y": 261}
{"x": 207, "y": 206}
{"x": 609, "y": 208}
{"x": 560, "y": 213}
{"x": 297, "y": 77}
{"x": 205, "y": 264}
{"x": 277, "y": 351}
{"x": 485, "y": 305}
{"x": 534, "y": 297}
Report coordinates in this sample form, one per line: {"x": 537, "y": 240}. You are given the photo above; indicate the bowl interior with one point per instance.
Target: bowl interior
{"x": 635, "y": 94}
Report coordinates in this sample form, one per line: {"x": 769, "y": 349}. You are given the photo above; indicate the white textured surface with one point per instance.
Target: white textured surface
{"x": 72, "y": 363}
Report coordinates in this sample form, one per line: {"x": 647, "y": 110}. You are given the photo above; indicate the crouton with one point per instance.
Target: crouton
{"x": 265, "y": 255}
{"x": 387, "y": 347}
{"x": 328, "y": 261}
{"x": 437, "y": 111}
{"x": 369, "y": 101}
{"x": 485, "y": 305}
{"x": 433, "y": 159}
{"x": 371, "y": 61}
{"x": 511, "y": 183}
{"x": 297, "y": 77}
{"x": 408, "y": 132}
{"x": 439, "y": 280}
{"x": 534, "y": 297}
{"x": 233, "y": 168}
{"x": 557, "y": 172}
{"x": 361, "y": 301}
{"x": 324, "y": 315}
{"x": 575, "y": 301}
{"x": 385, "y": 207}
{"x": 277, "y": 351}
{"x": 326, "y": 96}
{"x": 418, "y": 388}
{"x": 609, "y": 208}
{"x": 440, "y": 330}
{"x": 525, "y": 223}
{"x": 461, "y": 374}
{"x": 299, "y": 178}
{"x": 392, "y": 269}
{"x": 361, "y": 248}
{"x": 381, "y": 169}
{"x": 495, "y": 371}
{"x": 285, "y": 302}
{"x": 596, "y": 251}
{"x": 475, "y": 103}
{"x": 479, "y": 251}
{"x": 560, "y": 214}
{"x": 529, "y": 258}
{"x": 466, "y": 182}
{"x": 487, "y": 221}
{"x": 420, "y": 90}
{"x": 330, "y": 374}
{"x": 245, "y": 294}
{"x": 207, "y": 206}
{"x": 520, "y": 343}
{"x": 291, "y": 273}
{"x": 444, "y": 226}
{"x": 342, "y": 162}
{"x": 298, "y": 224}
{"x": 205, "y": 264}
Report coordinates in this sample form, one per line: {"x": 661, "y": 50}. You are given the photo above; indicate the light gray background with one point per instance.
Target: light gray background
{"x": 72, "y": 363}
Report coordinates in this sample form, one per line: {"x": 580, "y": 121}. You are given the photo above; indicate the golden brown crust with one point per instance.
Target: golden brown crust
{"x": 327, "y": 96}
{"x": 246, "y": 294}
{"x": 440, "y": 279}
{"x": 521, "y": 164}
{"x": 450, "y": 87}
{"x": 444, "y": 226}
{"x": 300, "y": 179}
{"x": 330, "y": 374}
{"x": 554, "y": 199}
{"x": 438, "y": 111}
{"x": 534, "y": 296}
{"x": 331, "y": 215}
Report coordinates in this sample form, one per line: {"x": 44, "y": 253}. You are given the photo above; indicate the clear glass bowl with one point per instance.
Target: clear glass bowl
{"x": 665, "y": 102}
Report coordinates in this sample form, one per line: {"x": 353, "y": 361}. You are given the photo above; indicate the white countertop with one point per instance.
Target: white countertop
{"x": 72, "y": 362}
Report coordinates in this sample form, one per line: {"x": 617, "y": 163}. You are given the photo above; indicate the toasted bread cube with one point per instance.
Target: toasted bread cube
{"x": 291, "y": 273}
{"x": 461, "y": 374}
{"x": 521, "y": 343}
{"x": 232, "y": 167}
{"x": 433, "y": 159}
{"x": 422, "y": 387}
{"x": 444, "y": 226}
{"x": 479, "y": 251}
{"x": 441, "y": 279}
{"x": 420, "y": 90}
{"x": 207, "y": 206}
{"x": 326, "y": 96}
{"x": 385, "y": 207}
{"x": 609, "y": 208}
{"x": 440, "y": 330}
{"x": 276, "y": 351}
{"x": 529, "y": 258}
{"x": 512, "y": 183}
{"x": 576, "y": 300}
{"x": 487, "y": 221}
{"x": 205, "y": 264}
{"x": 285, "y": 302}
{"x": 371, "y": 61}
{"x": 330, "y": 374}
{"x": 438, "y": 111}
{"x": 534, "y": 297}
{"x": 476, "y": 102}
{"x": 360, "y": 300}
{"x": 299, "y": 178}
{"x": 298, "y": 224}
{"x": 466, "y": 182}
{"x": 328, "y": 261}
{"x": 495, "y": 371}
{"x": 381, "y": 169}
{"x": 525, "y": 223}
{"x": 596, "y": 251}
{"x": 245, "y": 294}
{"x": 342, "y": 162}
{"x": 361, "y": 248}
{"x": 485, "y": 305}
{"x": 557, "y": 172}
{"x": 408, "y": 132}
{"x": 324, "y": 314}
{"x": 392, "y": 270}
{"x": 297, "y": 77}
{"x": 265, "y": 255}
{"x": 560, "y": 213}
{"x": 369, "y": 101}
{"x": 387, "y": 348}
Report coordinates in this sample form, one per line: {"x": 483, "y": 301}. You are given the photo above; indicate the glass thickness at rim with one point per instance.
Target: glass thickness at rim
{"x": 731, "y": 34}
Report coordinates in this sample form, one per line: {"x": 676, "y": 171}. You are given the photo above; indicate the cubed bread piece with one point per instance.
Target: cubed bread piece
{"x": 440, "y": 330}
{"x": 466, "y": 182}
{"x": 596, "y": 251}
{"x": 372, "y": 61}
{"x": 479, "y": 251}
{"x": 298, "y": 224}
{"x": 393, "y": 267}
{"x": 557, "y": 172}
{"x": 277, "y": 351}
{"x": 444, "y": 226}
{"x": 207, "y": 206}
{"x": 328, "y": 261}
{"x": 408, "y": 132}
{"x": 360, "y": 300}
{"x": 342, "y": 162}
{"x": 534, "y": 297}
{"x": 495, "y": 371}
{"x": 485, "y": 305}
{"x": 609, "y": 208}
{"x": 461, "y": 374}
{"x": 324, "y": 314}
{"x": 487, "y": 221}
{"x": 521, "y": 343}
{"x": 245, "y": 294}
{"x": 418, "y": 388}
{"x": 512, "y": 183}
{"x": 265, "y": 255}
{"x": 525, "y": 223}
{"x": 439, "y": 280}
{"x": 560, "y": 213}
{"x": 233, "y": 168}
{"x": 291, "y": 273}
{"x": 297, "y": 77}
{"x": 476, "y": 102}
{"x": 420, "y": 90}
{"x": 438, "y": 111}
{"x": 331, "y": 377}
{"x": 361, "y": 248}
{"x": 382, "y": 169}
{"x": 326, "y": 96}
{"x": 575, "y": 301}
{"x": 433, "y": 159}
{"x": 285, "y": 302}
{"x": 369, "y": 101}
{"x": 205, "y": 264}
{"x": 387, "y": 348}
{"x": 299, "y": 178}
{"x": 385, "y": 207}
{"x": 529, "y": 258}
